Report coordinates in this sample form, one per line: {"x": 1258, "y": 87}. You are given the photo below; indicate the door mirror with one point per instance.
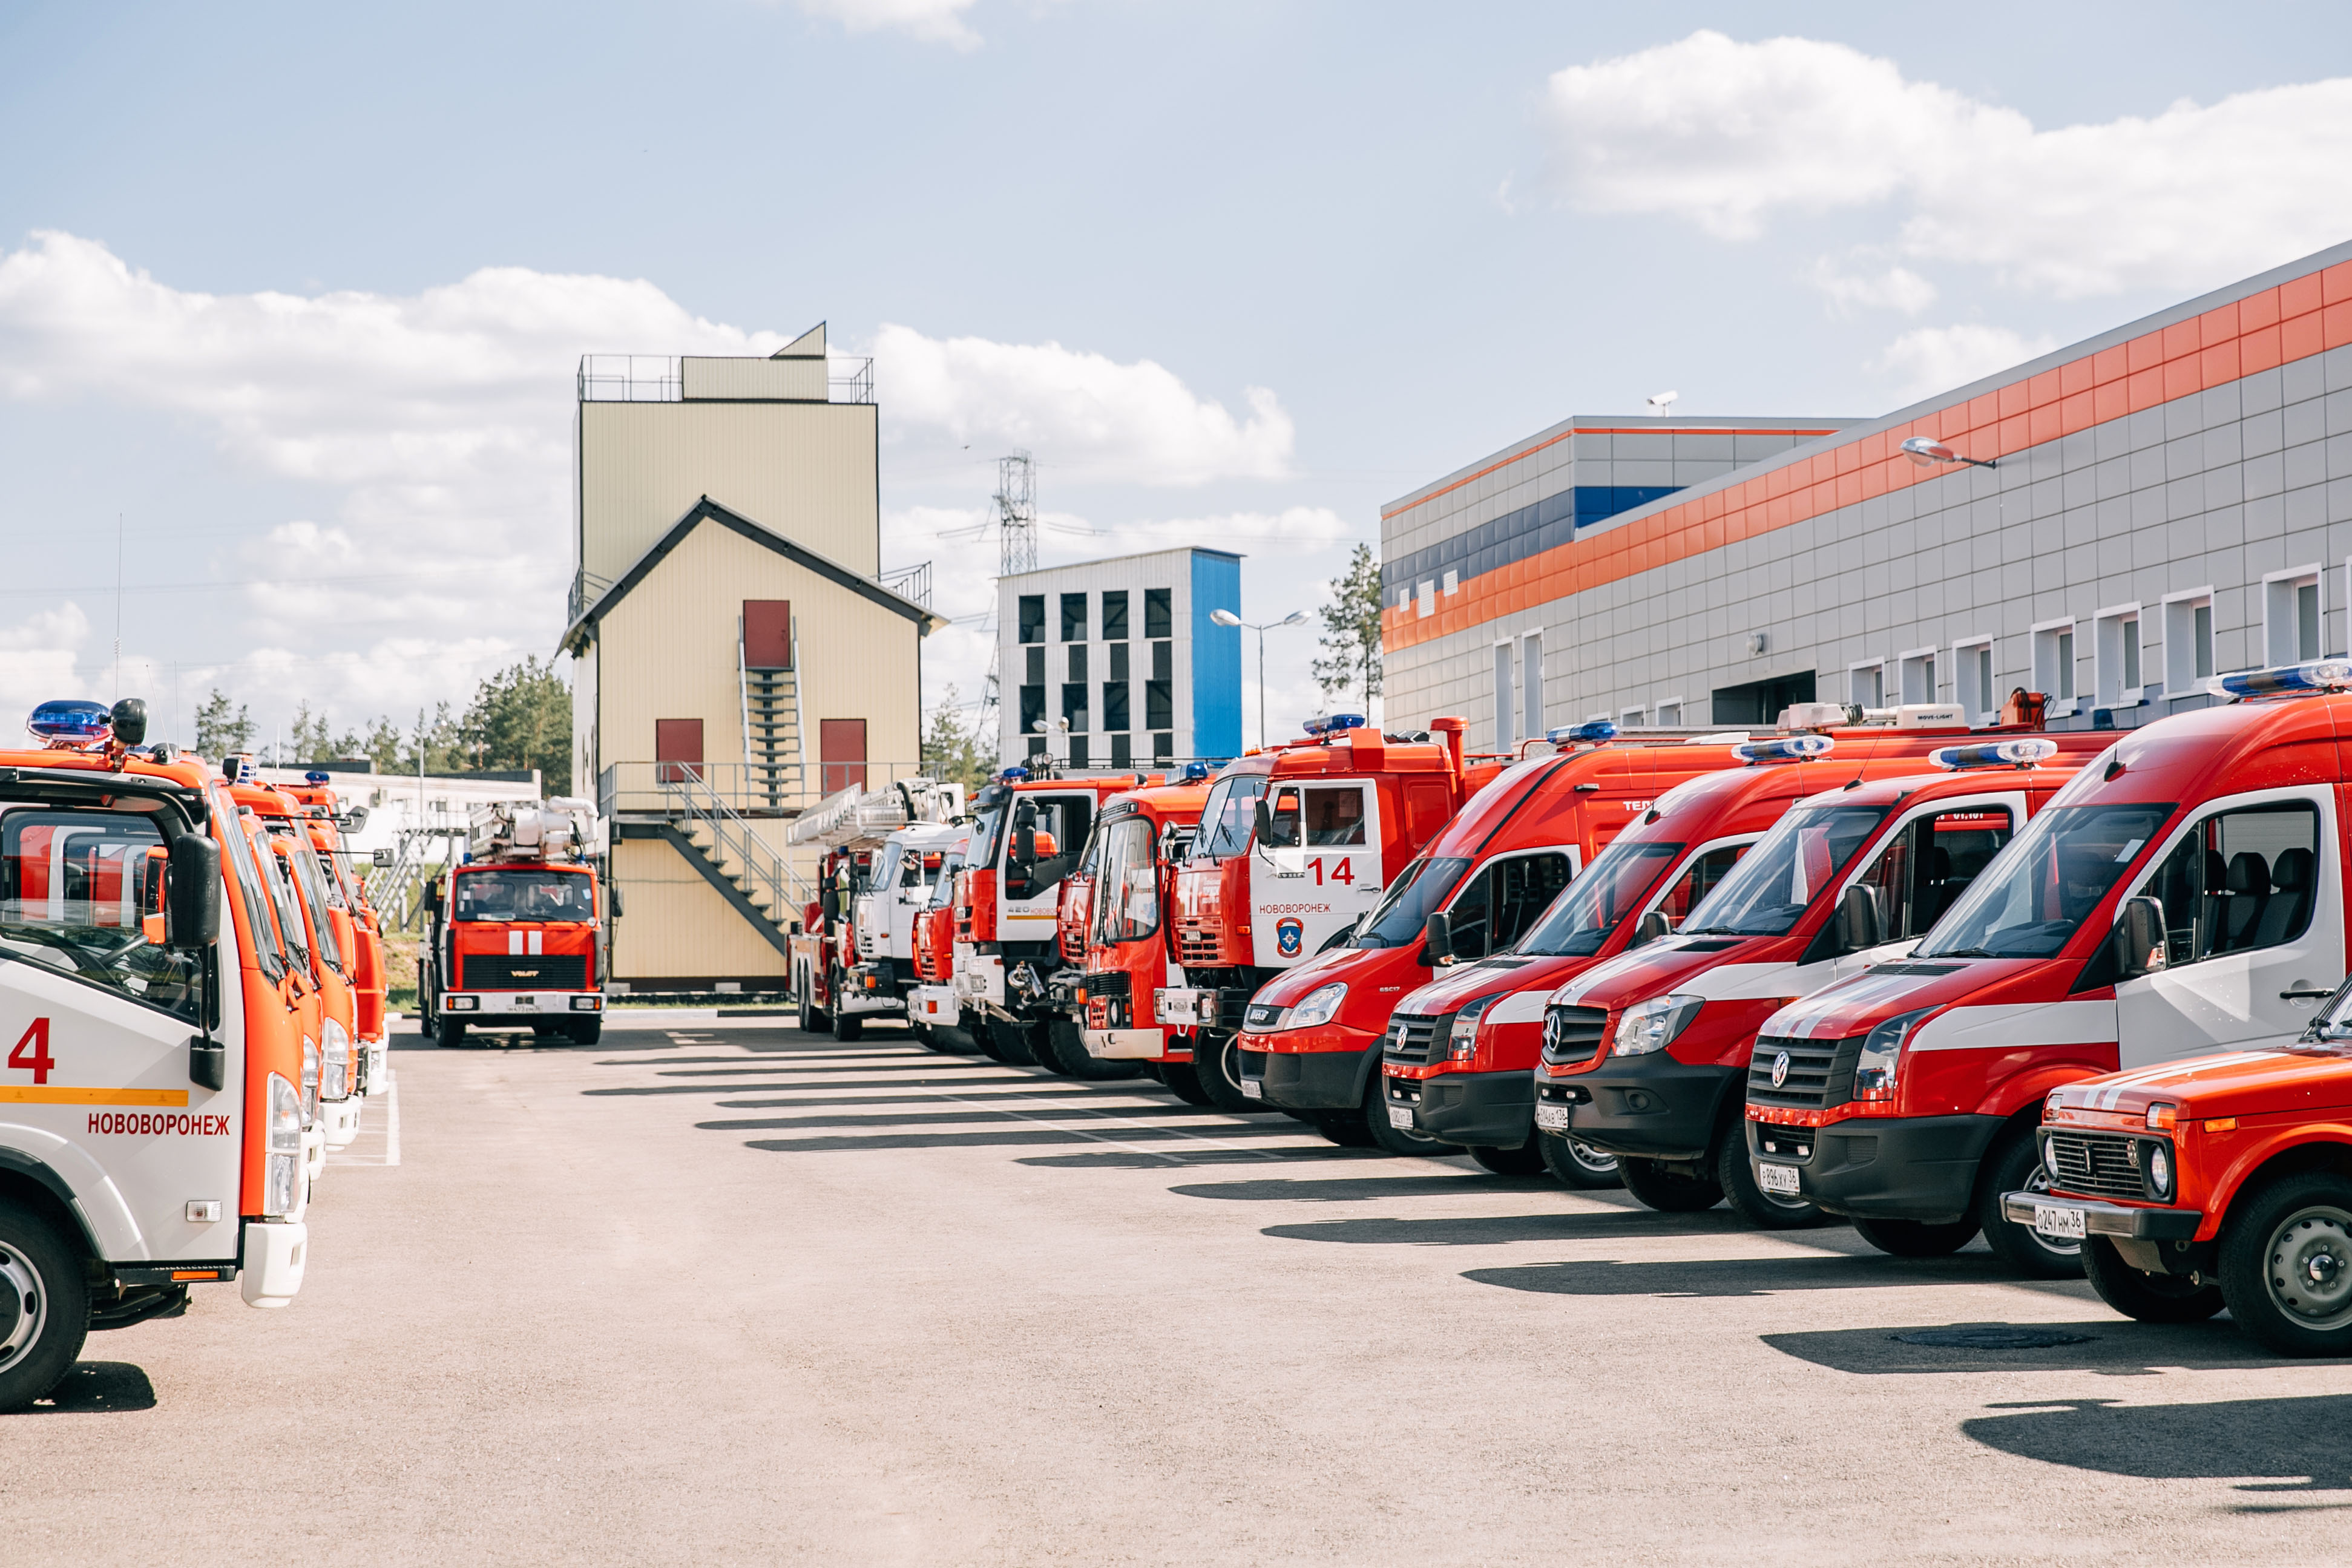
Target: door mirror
{"x": 432, "y": 897}
{"x": 355, "y": 819}
{"x": 1652, "y": 926}
{"x": 613, "y": 901}
{"x": 191, "y": 891}
{"x": 829, "y": 903}
{"x": 1436, "y": 933}
{"x": 2139, "y": 937}
{"x": 1265, "y": 814}
{"x": 1859, "y": 926}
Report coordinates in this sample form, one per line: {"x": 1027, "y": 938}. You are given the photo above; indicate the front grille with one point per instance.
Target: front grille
{"x": 1196, "y": 947}
{"x": 1109, "y": 983}
{"x": 528, "y": 972}
{"x": 2098, "y": 1164}
{"x": 1409, "y": 1040}
{"x": 1820, "y": 1071}
{"x": 1572, "y": 1033}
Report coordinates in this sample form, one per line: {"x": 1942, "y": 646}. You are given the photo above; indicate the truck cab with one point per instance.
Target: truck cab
{"x": 904, "y": 875}
{"x": 931, "y": 1009}
{"x": 1140, "y": 839}
{"x": 328, "y": 947}
{"x": 348, "y": 894}
{"x": 514, "y": 938}
{"x": 851, "y": 953}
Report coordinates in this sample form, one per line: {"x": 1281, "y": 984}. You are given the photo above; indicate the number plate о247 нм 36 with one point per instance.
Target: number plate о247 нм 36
{"x": 2058, "y": 1221}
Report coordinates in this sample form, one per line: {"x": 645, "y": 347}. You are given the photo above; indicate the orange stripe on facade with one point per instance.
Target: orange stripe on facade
{"x": 18, "y": 1095}
{"x": 2298, "y": 319}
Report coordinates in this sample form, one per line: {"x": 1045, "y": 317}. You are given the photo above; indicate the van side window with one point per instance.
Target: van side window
{"x": 2239, "y": 881}
{"x": 1503, "y": 900}
{"x": 1926, "y": 867}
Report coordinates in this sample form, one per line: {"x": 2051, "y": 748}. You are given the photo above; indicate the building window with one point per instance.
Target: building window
{"x": 1033, "y": 707}
{"x": 2053, "y": 664}
{"x": 1122, "y": 755}
{"x": 1670, "y": 713}
{"x": 1163, "y": 749}
{"x": 1032, "y": 618}
{"x": 1035, "y": 673}
{"x": 2290, "y": 610}
{"x": 1115, "y": 705}
{"x": 1074, "y": 618}
{"x": 1505, "y": 698}
{"x": 1078, "y": 751}
{"x": 2115, "y": 657}
{"x": 1078, "y": 651}
{"x": 1118, "y": 671}
{"x": 1074, "y": 706}
{"x": 1865, "y": 684}
{"x": 1916, "y": 673}
{"x": 1115, "y": 616}
{"x": 1159, "y": 705}
{"x": 1163, "y": 660}
{"x": 1972, "y": 680}
{"x": 1036, "y": 745}
{"x": 1531, "y": 692}
{"x": 841, "y": 753}
{"x": 1159, "y": 619}
{"x": 2188, "y": 642}
{"x": 1633, "y": 719}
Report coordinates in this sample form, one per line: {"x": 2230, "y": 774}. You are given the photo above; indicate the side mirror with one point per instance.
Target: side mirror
{"x": 613, "y": 901}
{"x": 829, "y": 902}
{"x": 2139, "y": 937}
{"x": 1859, "y": 926}
{"x": 192, "y": 908}
{"x": 152, "y": 882}
{"x": 1437, "y": 935}
{"x": 432, "y": 897}
{"x": 1265, "y": 814}
{"x": 1652, "y": 927}
{"x": 381, "y": 858}
{"x": 130, "y": 720}
{"x": 356, "y": 818}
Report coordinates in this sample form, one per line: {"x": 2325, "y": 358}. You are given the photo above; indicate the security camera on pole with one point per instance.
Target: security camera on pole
{"x": 1227, "y": 618}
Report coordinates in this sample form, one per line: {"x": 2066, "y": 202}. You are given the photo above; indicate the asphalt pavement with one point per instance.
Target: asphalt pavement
{"x": 718, "y": 1290}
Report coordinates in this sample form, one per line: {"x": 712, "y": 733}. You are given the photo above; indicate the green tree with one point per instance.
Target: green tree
{"x": 382, "y": 743}
{"x": 218, "y": 732}
{"x": 436, "y": 743}
{"x": 953, "y": 752}
{"x": 1351, "y": 632}
{"x": 521, "y": 718}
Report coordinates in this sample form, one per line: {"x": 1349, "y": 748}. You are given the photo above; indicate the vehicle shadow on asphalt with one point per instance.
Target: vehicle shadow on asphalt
{"x": 1496, "y": 1229}
{"x": 95, "y": 1387}
{"x": 2116, "y": 1347}
{"x": 2295, "y": 1445}
{"x": 933, "y": 1085}
{"x": 1008, "y": 1137}
{"x": 1123, "y": 1119}
{"x": 1119, "y": 1159}
{"x": 1361, "y": 1189}
{"x": 1748, "y": 1276}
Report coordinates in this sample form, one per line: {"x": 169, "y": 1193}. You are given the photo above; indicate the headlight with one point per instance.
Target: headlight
{"x": 1652, "y": 1025}
{"x": 285, "y": 1116}
{"x": 1318, "y": 1006}
{"x": 2158, "y": 1171}
{"x": 1882, "y": 1050}
{"x": 309, "y": 1080}
{"x": 1462, "y": 1036}
{"x": 335, "y": 1066}
{"x": 281, "y": 1184}
{"x": 2050, "y": 1104}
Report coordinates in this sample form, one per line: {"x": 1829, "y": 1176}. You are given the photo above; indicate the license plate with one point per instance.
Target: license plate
{"x": 526, "y": 1001}
{"x": 1781, "y": 1179}
{"x": 1400, "y": 1118}
{"x": 2058, "y": 1221}
{"x": 1252, "y": 1089}
{"x": 1552, "y": 1118}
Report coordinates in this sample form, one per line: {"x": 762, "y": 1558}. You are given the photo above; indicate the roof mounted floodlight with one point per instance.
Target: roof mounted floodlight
{"x": 1995, "y": 754}
{"x": 1927, "y": 452}
{"x": 1592, "y": 732}
{"x": 1788, "y": 748}
{"x": 2312, "y": 675}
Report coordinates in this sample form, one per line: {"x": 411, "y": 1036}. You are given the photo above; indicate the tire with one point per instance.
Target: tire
{"x": 2015, "y": 1166}
{"x": 1654, "y": 1187}
{"x": 1045, "y": 1045}
{"x": 1575, "y": 1162}
{"x": 44, "y": 1306}
{"x": 1183, "y": 1082}
{"x": 811, "y": 1020}
{"x": 1346, "y": 1129}
{"x": 451, "y": 1034}
{"x": 1068, "y": 1045}
{"x": 1916, "y": 1238}
{"x": 1736, "y": 1175}
{"x": 1217, "y": 1064}
{"x": 983, "y": 1035}
{"x": 1014, "y": 1045}
{"x": 545, "y": 1031}
{"x": 1393, "y": 1139}
{"x": 2150, "y": 1297}
{"x": 1526, "y": 1160}
{"x": 2287, "y": 1265}
{"x": 847, "y": 1026}
{"x": 587, "y": 1031}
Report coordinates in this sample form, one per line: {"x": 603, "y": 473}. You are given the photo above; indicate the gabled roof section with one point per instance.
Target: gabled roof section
{"x": 707, "y": 510}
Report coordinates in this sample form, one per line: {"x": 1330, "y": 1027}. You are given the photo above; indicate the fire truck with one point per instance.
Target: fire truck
{"x": 348, "y": 894}
{"x": 931, "y": 1009}
{"x": 514, "y": 938}
{"x": 153, "y": 1133}
{"x": 1295, "y": 845}
{"x": 852, "y": 953}
{"x": 1125, "y": 933}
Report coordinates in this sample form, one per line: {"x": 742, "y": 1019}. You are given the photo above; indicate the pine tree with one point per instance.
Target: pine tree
{"x": 952, "y": 752}
{"x": 217, "y": 733}
{"x": 521, "y": 718}
{"x": 1351, "y": 632}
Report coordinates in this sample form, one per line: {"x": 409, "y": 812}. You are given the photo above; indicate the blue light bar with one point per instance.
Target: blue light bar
{"x": 1344, "y": 721}
{"x": 66, "y": 719}
{"x": 1012, "y": 774}
{"x": 315, "y": 778}
{"x": 1788, "y": 748}
{"x": 2318, "y": 675}
{"x": 1995, "y": 754}
{"x": 1593, "y": 731}
{"x": 1316, "y": 724}
{"x": 1195, "y": 770}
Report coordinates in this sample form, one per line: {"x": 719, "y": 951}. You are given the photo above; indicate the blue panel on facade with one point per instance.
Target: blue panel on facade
{"x": 1514, "y": 536}
{"x": 1216, "y": 655}
{"x": 1594, "y": 502}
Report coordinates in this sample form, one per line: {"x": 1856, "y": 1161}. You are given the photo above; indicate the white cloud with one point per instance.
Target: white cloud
{"x": 1078, "y": 411}
{"x": 1894, "y": 289}
{"x": 1725, "y": 133}
{"x": 930, "y": 21}
{"x": 1933, "y": 359}
{"x": 36, "y": 659}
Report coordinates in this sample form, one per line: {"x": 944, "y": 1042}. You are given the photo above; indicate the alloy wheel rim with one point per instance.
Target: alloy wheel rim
{"x": 2039, "y": 1182}
{"x": 1597, "y": 1161}
{"x": 2307, "y": 1267}
{"x": 22, "y": 1284}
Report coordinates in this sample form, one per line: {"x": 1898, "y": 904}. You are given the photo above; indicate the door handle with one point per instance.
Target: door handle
{"x": 2305, "y": 994}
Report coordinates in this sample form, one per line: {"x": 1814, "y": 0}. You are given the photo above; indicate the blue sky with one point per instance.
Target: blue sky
{"x": 1239, "y": 272}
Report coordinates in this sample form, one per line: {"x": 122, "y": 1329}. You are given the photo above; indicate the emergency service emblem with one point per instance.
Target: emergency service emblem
{"x": 1289, "y": 936}
{"x": 1779, "y": 1070}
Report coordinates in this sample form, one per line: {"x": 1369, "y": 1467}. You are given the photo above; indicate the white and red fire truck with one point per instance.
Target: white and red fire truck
{"x": 516, "y": 939}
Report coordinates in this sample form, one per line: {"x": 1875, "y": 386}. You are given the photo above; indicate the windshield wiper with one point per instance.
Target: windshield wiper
{"x": 1962, "y": 953}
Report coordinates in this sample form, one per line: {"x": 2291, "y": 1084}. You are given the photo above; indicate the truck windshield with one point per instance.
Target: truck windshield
{"x": 270, "y": 951}
{"x": 1229, "y": 816}
{"x": 2038, "y": 892}
{"x": 1581, "y": 919}
{"x": 944, "y": 891}
{"x": 1127, "y": 889}
{"x": 1399, "y": 917}
{"x": 74, "y": 887}
{"x": 885, "y": 864}
{"x": 289, "y": 901}
{"x": 986, "y": 838}
{"x": 1768, "y": 891}
{"x": 522, "y": 894}
{"x": 304, "y": 863}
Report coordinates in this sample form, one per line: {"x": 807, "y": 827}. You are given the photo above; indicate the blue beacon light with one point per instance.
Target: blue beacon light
{"x": 1592, "y": 732}
{"x": 2315, "y": 676}
{"x": 1788, "y": 748}
{"x": 1195, "y": 770}
{"x": 66, "y": 720}
{"x": 1995, "y": 754}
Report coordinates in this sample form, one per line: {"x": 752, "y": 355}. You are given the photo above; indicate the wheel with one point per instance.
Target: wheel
{"x": 2015, "y": 1166}
{"x": 2150, "y": 1297}
{"x": 1183, "y": 1082}
{"x": 1669, "y": 1192}
{"x": 1394, "y": 1139}
{"x": 545, "y": 1031}
{"x": 983, "y": 1035}
{"x": 1068, "y": 1044}
{"x": 1916, "y": 1238}
{"x": 811, "y": 1020}
{"x": 1045, "y": 1045}
{"x": 1578, "y": 1164}
{"x": 1346, "y": 1129}
{"x": 1736, "y": 1175}
{"x": 451, "y": 1034}
{"x": 1012, "y": 1043}
{"x": 847, "y": 1026}
{"x": 928, "y": 1037}
{"x": 44, "y": 1306}
{"x": 1217, "y": 1062}
{"x": 2287, "y": 1265}
{"x": 587, "y": 1030}
{"x": 1526, "y": 1160}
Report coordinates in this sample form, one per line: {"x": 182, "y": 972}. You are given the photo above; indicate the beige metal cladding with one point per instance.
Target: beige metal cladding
{"x": 803, "y": 469}
{"x": 666, "y": 649}
{"x": 800, "y": 378}
{"x": 676, "y": 926}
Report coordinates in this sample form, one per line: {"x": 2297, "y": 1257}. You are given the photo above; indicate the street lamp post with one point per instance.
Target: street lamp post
{"x": 1227, "y": 618}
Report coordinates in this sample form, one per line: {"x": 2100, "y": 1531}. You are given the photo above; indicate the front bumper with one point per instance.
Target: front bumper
{"x": 269, "y": 1272}
{"x": 1652, "y": 1107}
{"x": 1200, "y": 1007}
{"x": 478, "y": 1006}
{"x": 342, "y": 1120}
{"x": 1125, "y": 1044}
{"x": 1894, "y": 1168}
{"x": 1308, "y": 1080}
{"x": 980, "y": 980}
{"x": 2108, "y": 1218}
{"x": 933, "y": 1005}
{"x": 869, "y": 988}
{"x": 1475, "y": 1110}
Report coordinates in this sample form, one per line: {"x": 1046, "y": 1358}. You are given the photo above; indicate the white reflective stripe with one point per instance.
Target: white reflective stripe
{"x": 1745, "y": 982}
{"x": 2018, "y": 1025}
{"x": 1519, "y": 1007}
{"x": 514, "y": 944}
{"x": 534, "y": 939}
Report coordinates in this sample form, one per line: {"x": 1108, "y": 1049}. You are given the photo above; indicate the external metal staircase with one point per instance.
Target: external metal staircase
{"x": 771, "y": 727}
{"x": 759, "y": 882}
